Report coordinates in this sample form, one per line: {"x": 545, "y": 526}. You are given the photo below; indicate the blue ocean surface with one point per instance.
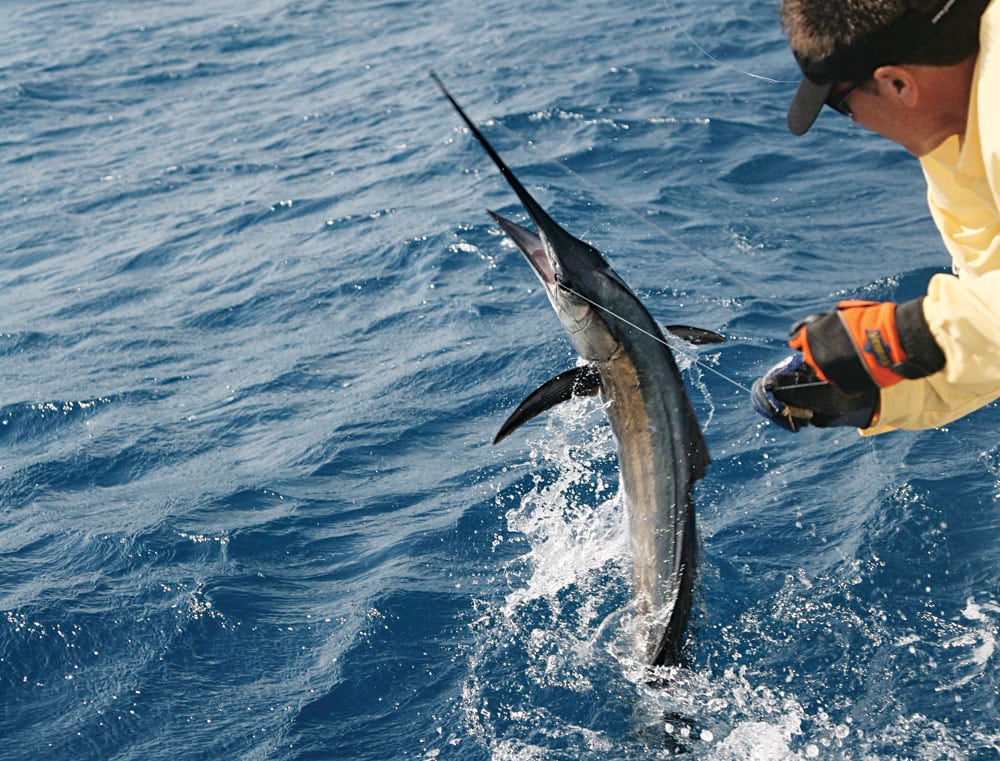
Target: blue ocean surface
{"x": 258, "y": 332}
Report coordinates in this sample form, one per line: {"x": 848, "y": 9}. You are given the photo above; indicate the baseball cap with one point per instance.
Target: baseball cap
{"x": 895, "y": 43}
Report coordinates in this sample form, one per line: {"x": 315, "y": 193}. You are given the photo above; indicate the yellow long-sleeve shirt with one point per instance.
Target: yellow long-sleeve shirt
{"x": 962, "y": 310}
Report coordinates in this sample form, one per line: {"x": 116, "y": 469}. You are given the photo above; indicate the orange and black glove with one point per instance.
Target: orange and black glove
{"x": 843, "y": 358}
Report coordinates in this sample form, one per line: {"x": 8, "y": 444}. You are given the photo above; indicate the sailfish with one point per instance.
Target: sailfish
{"x": 627, "y": 360}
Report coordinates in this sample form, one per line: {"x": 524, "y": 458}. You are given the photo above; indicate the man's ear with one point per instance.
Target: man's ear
{"x": 898, "y": 83}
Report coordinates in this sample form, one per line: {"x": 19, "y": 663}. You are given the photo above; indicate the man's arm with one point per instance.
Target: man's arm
{"x": 964, "y": 317}
{"x": 843, "y": 358}
{"x": 878, "y": 366}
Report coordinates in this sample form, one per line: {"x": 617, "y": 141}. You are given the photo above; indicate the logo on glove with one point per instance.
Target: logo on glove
{"x": 878, "y": 349}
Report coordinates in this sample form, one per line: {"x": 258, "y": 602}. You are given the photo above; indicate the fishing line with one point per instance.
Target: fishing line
{"x": 713, "y": 59}
{"x": 614, "y": 203}
{"x": 658, "y": 339}
{"x": 813, "y": 384}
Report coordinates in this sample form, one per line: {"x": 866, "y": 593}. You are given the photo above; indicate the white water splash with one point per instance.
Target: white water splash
{"x": 978, "y": 641}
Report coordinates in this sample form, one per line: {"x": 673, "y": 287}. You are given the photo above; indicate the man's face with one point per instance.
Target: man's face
{"x": 901, "y": 104}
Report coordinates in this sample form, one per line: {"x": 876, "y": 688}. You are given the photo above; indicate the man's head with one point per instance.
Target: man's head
{"x": 841, "y": 45}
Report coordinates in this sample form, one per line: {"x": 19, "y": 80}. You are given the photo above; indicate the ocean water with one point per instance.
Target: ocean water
{"x": 258, "y": 332}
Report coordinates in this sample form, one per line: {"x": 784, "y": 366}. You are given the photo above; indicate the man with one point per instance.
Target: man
{"x": 925, "y": 74}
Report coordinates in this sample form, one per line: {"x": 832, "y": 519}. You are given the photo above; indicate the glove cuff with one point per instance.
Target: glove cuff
{"x": 923, "y": 355}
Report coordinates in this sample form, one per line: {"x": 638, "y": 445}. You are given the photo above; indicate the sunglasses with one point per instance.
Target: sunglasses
{"x": 837, "y": 100}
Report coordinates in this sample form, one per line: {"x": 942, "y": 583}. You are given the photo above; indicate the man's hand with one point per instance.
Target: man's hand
{"x": 842, "y": 359}
{"x": 793, "y": 396}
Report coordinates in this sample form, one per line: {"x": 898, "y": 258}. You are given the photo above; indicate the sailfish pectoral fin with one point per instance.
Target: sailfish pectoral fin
{"x": 580, "y": 381}
{"x": 696, "y": 336}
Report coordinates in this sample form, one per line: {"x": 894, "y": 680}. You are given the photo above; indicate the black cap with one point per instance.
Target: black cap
{"x": 896, "y": 43}
{"x": 806, "y": 105}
